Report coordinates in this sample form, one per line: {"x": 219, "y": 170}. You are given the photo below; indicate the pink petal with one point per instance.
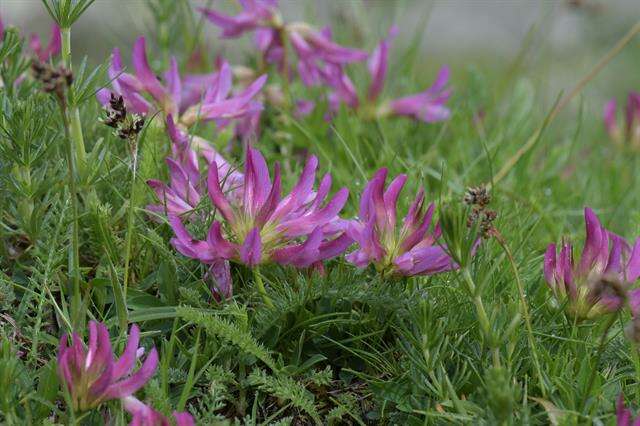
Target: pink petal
{"x": 144, "y": 72}
{"x": 251, "y": 250}
{"x": 129, "y": 386}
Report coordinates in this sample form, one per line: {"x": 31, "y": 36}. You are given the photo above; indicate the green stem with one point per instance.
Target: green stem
{"x": 75, "y": 127}
{"x": 66, "y": 47}
{"x": 130, "y": 221}
{"x": 258, "y": 279}
{"x": 483, "y": 318}
{"x": 481, "y": 312}
{"x": 76, "y": 301}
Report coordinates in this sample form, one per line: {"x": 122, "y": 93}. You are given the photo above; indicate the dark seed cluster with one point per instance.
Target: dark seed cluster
{"x": 127, "y": 126}
{"x": 54, "y": 80}
{"x": 478, "y": 198}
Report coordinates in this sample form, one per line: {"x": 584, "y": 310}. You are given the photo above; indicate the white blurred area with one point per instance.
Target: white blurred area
{"x": 553, "y": 41}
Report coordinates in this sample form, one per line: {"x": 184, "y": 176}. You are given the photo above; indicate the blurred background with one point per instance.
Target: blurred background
{"x": 552, "y": 43}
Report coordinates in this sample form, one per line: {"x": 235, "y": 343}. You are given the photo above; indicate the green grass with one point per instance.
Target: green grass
{"x": 350, "y": 346}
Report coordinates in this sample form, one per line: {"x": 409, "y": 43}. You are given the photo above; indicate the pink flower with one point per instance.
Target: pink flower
{"x": 378, "y": 64}
{"x": 410, "y": 250}
{"x": 186, "y": 187}
{"x": 144, "y": 415}
{"x": 52, "y": 49}
{"x": 580, "y": 283}
{"x": 93, "y": 376}
{"x": 190, "y": 98}
{"x": 1, "y": 29}
{"x": 631, "y": 132}
{"x": 254, "y": 14}
{"x": 428, "y": 106}
{"x": 262, "y": 227}
{"x": 624, "y": 417}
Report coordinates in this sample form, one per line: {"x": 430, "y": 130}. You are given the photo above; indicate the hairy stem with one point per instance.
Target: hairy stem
{"x": 260, "y": 285}
{"x": 481, "y": 312}
{"x": 75, "y": 127}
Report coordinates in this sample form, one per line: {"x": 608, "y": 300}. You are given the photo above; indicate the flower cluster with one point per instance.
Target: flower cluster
{"x": 411, "y": 249}
{"x": 188, "y": 99}
{"x": 186, "y": 187}
{"x": 92, "y": 375}
{"x": 624, "y": 417}
{"x": 321, "y": 61}
{"x": 630, "y": 133}
{"x": 53, "y": 47}
{"x": 598, "y": 282}
{"x": 261, "y": 226}
{"x": 144, "y": 415}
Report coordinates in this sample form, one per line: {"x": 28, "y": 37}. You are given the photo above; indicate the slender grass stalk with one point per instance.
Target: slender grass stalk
{"x": 75, "y": 126}
{"x": 130, "y": 220}
{"x": 260, "y": 284}
{"x": 533, "y": 139}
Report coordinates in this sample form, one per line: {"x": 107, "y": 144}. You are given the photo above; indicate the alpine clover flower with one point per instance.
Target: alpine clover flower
{"x": 188, "y": 99}
{"x": 53, "y": 48}
{"x": 596, "y": 284}
{"x": 93, "y": 376}
{"x": 263, "y": 18}
{"x": 144, "y": 415}
{"x": 428, "y": 106}
{"x": 631, "y": 131}
{"x": 624, "y": 417}
{"x": 262, "y": 226}
{"x": 411, "y": 249}
{"x": 186, "y": 187}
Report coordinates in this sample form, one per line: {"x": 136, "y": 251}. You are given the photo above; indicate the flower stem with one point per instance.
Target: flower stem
{"x": 130, "y": 220}
{"x": 258, "y": 279}
{"x": 75, "y": 127}
{"x": 483, "y": 318}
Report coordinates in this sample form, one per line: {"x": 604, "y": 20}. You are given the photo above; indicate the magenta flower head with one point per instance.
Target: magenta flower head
{"x": 52, "y": 49}
{"x": 254, "y": 14}
{"x": 93, "y": 376}
{"x": 412, "y": 249}
{"x": 596, "y": 284}
{"x": 624, "y": 417}
{"x": 428, "y": 106}
{"x": 187, "y": 99}
{"x": 631, "y": 131}
{"x": 144, "y": 415}
{"x": 186, "y": 187}
{"x": 299, "y": 229}
{"x": 378, "y": 64}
